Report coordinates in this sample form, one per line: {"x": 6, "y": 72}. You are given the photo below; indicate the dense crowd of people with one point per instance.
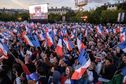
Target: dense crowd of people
{"x": 40, "y": 63}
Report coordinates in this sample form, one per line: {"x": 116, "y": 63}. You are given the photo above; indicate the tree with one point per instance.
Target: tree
{"x": 54, "y": 17}
{"x": 109, "y": 16}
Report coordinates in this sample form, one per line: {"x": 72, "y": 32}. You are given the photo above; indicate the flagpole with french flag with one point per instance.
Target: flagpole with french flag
{"x": 59, "y": 48}
{"x": 80, "y": 45}
{"x": 49, "y": 39}
{"x": 41, "y": 37}
{"x": 26, "y": 39}
{"x": 3, "y": 52}
{"x": 68, "y": 44}
{"x": 99, "y": 29}
{"x": 84, "y": 62}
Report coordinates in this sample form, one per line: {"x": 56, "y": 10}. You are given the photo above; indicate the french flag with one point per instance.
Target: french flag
{"x": 122, "y": 46}
{"x": 80, "y": 45}
{"x": 41, "y": 37}
{"x": 121, "y": 29}
{"x": 6, "y": 34}
{"x": 122, "y": 37}
{"x": 3, "y": 52}
{"x": 55, "y": 31}
{"x": 29, "y": 75}
{"x": 68, "y": 44}
{"x": 32, "y": 76}
{"x": 52, "y": 35}
{"x": 85, "y": 33}
{"x": 106, "y": 30}
{"x": 35, "y": 41}
{"x": 59, "y": 49}
{"x": 84, "y": 62}
{"x": 90, "y": 28}
{"x": 26, "y": 39}
{"x": 114, "y": 30}
{"x": 64, "y": 32}
{"x": 72, "y": 35}
{"x": 49, "y": 39}
{"x": 99, "y": 30}
{"x": 71, "y": 44}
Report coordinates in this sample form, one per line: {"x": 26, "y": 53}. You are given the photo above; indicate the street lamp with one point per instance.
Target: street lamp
{"x": 19, "y": 18}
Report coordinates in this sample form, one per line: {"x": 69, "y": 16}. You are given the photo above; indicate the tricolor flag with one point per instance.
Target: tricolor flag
{"x": 34, "y": 40}
{"x": 71, "y": 44}
{"x": 59, "y": 49}
{"x": 49, "y": 39}
{"x": 90, "y": 28}
{"x": 41, "y": 36}
{"x": 122, "y": 46}
{"x": 120, "y": 29}
{"x": 122, "y": 37}
{"x": 68, "y": 44}
{"x": 55, "y": 31}
{"x": 114, "y": 30}
{"x": 64, "y": 32}
{"x": 84, "y": 62}
{"x": 3, "y": 51}
{"x": 106, "y": 30}
{"x": 6, "y": 34}
{"x": 26, "y": 39}
{"x": 80, "y": 45}
{"x": 6, "y": 46}
{"x": 32, "y": 76}
{"x": 85, "y": 33}
{"x": 72, "y": 35}
{"x": 98, "y": 29}
{"x": 47, "y": 30}
{"x": 52, "y": 34}
{"x": 29, "y": 75}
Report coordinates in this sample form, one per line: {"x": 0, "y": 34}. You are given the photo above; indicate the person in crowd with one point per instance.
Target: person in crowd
{"x": 108, "y": 70}
{"x": 66, "y": 78}
{"x": 34, "y": 60}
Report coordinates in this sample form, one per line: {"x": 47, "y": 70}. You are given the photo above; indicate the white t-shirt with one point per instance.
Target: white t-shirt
{"x": 68, "y": 81}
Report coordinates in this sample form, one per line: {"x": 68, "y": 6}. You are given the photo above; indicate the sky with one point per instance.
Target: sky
{"x": 23, "y": 4}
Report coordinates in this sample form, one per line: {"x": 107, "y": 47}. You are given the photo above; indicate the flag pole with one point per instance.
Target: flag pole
{"x": 12, "y": 54}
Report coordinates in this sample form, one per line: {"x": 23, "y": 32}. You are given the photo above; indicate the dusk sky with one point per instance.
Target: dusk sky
{"x": 23, "y": 4}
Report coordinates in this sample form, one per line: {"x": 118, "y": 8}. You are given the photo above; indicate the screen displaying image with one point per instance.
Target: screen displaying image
{"x": 38, "y": 11}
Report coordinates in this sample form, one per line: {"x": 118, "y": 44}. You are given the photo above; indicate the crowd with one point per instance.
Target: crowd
{"x": 26, "y": 61}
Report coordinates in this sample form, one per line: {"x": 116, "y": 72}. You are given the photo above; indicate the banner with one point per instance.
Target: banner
{"x": 38, "y": 11}
{"x": 121, "y": 17}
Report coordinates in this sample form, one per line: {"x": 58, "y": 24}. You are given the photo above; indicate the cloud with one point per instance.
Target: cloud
{"x": 52, "y": 3}
{"x": 99, "y": 1}
{"x": 19, "y": 3}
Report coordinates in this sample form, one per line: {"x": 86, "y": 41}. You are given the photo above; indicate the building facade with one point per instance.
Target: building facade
{"x": 116, "y": 6}
{"x": 61, "y": 11}
{"x": 13, "y": 11}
